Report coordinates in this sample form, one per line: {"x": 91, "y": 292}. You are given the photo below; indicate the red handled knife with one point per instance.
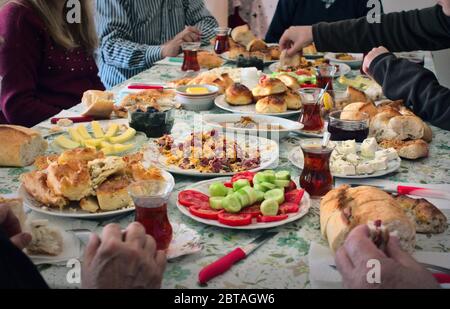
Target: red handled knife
{"x": 73, "y": 119}
{"x": 416, "y": 191}
{"x": 225, "y": 263}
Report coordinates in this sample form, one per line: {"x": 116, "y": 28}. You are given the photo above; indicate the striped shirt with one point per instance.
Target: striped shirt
{"x": 132, "y": 33}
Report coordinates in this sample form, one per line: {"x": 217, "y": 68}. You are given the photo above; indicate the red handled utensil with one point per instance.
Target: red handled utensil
{"x": 416, "y": 191}
{"x": 73, "y": 119}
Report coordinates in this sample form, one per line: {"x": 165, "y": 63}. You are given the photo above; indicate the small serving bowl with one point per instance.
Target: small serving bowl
{"x": 197, "y": 102}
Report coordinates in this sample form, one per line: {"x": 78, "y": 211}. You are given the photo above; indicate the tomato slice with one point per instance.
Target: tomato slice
{"x": 254, "y": 211}
{"x": 209, "y": 214}
{"x": 235, "y": 220}
{"x": 243, "y": 175}
{"x": 292, "y": 186}
{"x": 190, "y": 198}
{"x": 294, "y": 196}
{"x": 289, "y": 208}
{"x": 269, "y": 219}
{"x": 228, "y": 185}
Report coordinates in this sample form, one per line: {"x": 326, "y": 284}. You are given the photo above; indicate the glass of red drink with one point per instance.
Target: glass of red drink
{"x": 311, "y": 115}
{"x": 316, "y": 177}
{"x": 222, "y": 44}
{"x": 150, "y": 199}
{"x": 190, "y": 62}
{"x": 325, "y": 75}
{"x": 348, "y": 127}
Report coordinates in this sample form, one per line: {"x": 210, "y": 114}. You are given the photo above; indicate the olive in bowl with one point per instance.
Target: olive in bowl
{"x": 152, "y": 122}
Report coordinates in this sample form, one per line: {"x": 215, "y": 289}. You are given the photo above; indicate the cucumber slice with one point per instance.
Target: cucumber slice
{"x": 241, "y": 183}
{"x": 260, "y": 188}
{"x": 258, "y": 178}
{"x": 282, "y": 183}
{"x": 268, "y": 186}
{"x": 231, "y": 204}
{"x": 269, "y": 177}
{"x": 259, "y": 195}
{"x": 269, "y": 172}
{"x": 283, "y": 175}
{"x": 251, "y": 193}
{"x": 216, "y": 202}
{"x": 243, "y": 198}
{"x": 270, "y": 208}
{"x": 218, "y": 189}
{"x": 275, "y": 194}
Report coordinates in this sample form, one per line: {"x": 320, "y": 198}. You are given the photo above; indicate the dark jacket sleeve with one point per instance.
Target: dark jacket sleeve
{"x": 417, "y": 86}
{"x": 427, "y": 29}
{"x": 16, "y": 269}
{"x": 281, "y": 21}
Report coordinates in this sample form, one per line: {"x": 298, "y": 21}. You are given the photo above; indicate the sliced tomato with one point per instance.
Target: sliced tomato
{"x": 289, "y": 208}
{"x": 292, "y": 186}
{"x": 308, "y": 85}
{"x": 243, "y": 175}
{"x": 209, "y": 214}
{"x": 269, "y": 219}
{"x": 254, "y": 210}
{"x": 190, "y": 198}
{"x": 294, "y": 196}
{"x": 235, "y": 220}
{"x": 303, "y": 72}
{"x": 228, "y": 185}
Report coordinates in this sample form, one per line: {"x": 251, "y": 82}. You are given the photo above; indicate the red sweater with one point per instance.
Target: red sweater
{"x": 40, "y": 78}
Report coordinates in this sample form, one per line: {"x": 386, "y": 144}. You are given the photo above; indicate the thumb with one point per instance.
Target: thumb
{"x": 395, "y": 252}
{"x": 21, "y": 240}
{"x": 91, "y": 248}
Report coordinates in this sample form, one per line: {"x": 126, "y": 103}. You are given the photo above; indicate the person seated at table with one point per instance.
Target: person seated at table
{"x": 399, "y": 270}
{"x": 119, "y": 261}
{"x": 426, "y": 29}
{"x": 308, "y": 12}
{"x": 46, "y": 63}
{"x": 134, "y": 34}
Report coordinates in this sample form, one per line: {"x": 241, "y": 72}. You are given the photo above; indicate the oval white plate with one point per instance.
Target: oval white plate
{"x": 248, "y": 109}
{"x": 203, "y": 187}
{"x": 269, "y": 157}
{"x": 226, "y": 57}
{"x": 215, "y": 121}
{"x": 344, "y": 69}
{"x": 352, "y": 63}
{"x": 297, "y": 159}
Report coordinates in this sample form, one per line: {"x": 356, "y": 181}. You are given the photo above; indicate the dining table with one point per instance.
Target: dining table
{"x": 282, "y": 262}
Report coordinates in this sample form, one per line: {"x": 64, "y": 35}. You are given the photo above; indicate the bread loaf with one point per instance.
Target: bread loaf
{"x": 16, "y": 206}
{"x": 345, "y": 208}
{"x": 20, "y": 146}
{"x": 46, "y": 240}
{"x": 242, "y": 35}
{"x": 411, "y": 150}
{"x": 100, "y": 104}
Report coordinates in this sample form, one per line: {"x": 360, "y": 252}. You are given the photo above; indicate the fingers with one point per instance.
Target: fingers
{"x": 343, "y": 262}
{"x": 161, "y": 260}
{"x": 194, "y": 30}
{"x": 21, "y": 240}
{"x": 360, "y": 247}
{"x": 112, "y": 231}
{"x": 150, "y": 246}
{"x": 395, "y": 252}
{"x": 91, "y": 248}
{"x": 9, "y": 222}
{"x": 135, "y": 235}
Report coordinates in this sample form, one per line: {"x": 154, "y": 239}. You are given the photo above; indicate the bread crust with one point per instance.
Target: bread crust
{"x": 238, "y": 94}
{"x": 271, "y": 104}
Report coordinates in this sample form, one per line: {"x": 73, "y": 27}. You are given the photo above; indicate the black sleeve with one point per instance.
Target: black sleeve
{"x": 417, "y": 86}
{"x": 281, "y": 21}
{"x": 16, "y": 269}
{"x": 427, "y": 29}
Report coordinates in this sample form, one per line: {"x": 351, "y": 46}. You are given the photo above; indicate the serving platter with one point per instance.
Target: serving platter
{"x": 356, "y": 63}
{"x": 249, "y": 109}
{"x": 203, "y": 188}
{"x": 344, "y": 69}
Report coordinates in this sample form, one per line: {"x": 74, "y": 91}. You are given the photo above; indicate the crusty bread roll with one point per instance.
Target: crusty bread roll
{"x": 411, "y": 150}
{"x": 256, "y": 45}
{"x": 345, "y": 208}
{"x": 288, "y": 61}
{"x": 72, "y": 181}
{"x": 16, "y": 206}
{"x": 46, "y": 239}
{"x": 269, "y": 86}
{"x": 90, "y": 204}
{"x": 100, "y": 104}
{"x": 290, "y": 81}
{"x": 238, "y": 94}
{"x": 242, "y": 35}
{"x": 356, "y": 96}
{"x": 113, "y": 193}
{"x": 275, "y": 52}
{"x": 35, "y": 183}
{"x": 391, "y": 125}
{"x": 20, "y": 146}
{"x": 354, "y": 111}
{"x": 272, "y": 104}
{"x": 293, "y": 100}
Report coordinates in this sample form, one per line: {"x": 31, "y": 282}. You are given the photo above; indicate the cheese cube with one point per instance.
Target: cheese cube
{"x": 352, "y": 158}
{"x": 347, "y": 147}
{"x": 364, "y": 168}
{"x": 390, "y": 154}
{"x": 379, "y": 164}
{"x": 369, "y": 148}
{"x": 344, "y": 168}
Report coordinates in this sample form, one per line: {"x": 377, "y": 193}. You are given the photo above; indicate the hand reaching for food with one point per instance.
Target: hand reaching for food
{"x": 374, "y": 53}
{"x": 398, "y": 268}
{"x": 10, "y": 224}
{"x": 296, "y": 38}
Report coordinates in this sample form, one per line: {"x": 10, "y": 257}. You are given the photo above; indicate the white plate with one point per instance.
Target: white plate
{"x": 352, "y": 63}
{"x": 344, "y": 69}
{"x": 226, "y": 57}
{"x": 297, "y": 159}
{"x": 248, "y": 109}
{"x": 269, "y": 156}
{"x": 314, "y": 56}
{"x": 215, "y": 121}
{"x": 203, "y": 187}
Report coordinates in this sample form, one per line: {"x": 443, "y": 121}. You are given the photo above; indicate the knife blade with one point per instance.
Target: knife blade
{"x": 225, "y": 263}
{"x": 408, "y": 190}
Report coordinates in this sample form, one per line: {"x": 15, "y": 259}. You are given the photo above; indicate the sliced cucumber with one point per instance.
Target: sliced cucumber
{"x": 241, "y": 183}
{"x": 275, "y": 194}
{"x": 268, "y": 186}
{"x": 230, "y": 191}
{"x": 283, "y": 175}
{"x": 243, "y": 198}
{"x": 282, "y": 183}
{"x": 259, "y": 187}
{"x": 232, "y": 204}
{"x": 251, "y": 193}
{"x": 259, "y": 195}
{"x": 218, "y": 189}
{"x": 258, "y": 178}
{"x": 270, "y": 208}
{"x": 216, "y": 202}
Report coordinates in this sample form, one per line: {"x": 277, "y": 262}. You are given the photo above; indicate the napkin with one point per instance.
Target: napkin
{"x": 322, "y": 276}
{"x": 175, "y": 61}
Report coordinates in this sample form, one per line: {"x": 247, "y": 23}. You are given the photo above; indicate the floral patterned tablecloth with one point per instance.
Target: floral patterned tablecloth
{"x": 280, "y": 263}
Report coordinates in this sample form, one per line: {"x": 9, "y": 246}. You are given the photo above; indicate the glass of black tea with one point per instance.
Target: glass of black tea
{"x": 348, "y": 125}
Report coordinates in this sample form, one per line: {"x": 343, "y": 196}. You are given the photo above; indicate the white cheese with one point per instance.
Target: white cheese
{"x": 364, "y": 168}
{"x": 352, "y": 158}
{"x": 369, "y": 147}
{"x": 379, "y": 164}
{"x": 390, "y": 154}
{"x": 347, "y": 147}
{"x": 344, "y": 168}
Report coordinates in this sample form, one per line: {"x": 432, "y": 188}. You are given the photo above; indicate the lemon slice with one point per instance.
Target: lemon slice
{"x": 328, "y": 102}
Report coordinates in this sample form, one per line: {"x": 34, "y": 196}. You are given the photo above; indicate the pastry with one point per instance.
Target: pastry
{"x": 102, "y": 169}
{"x": 256, "y": 45}
{"x": 99, "y": 104}
{"x": 272, "y": 104}
{"x": 209, "y": 60}
{"x": 46, "y": 240}
{"x": 269, "y": 86}
{"x": 293, "y": 100}
{"x": 354, "y": 111}
{"x": 242, "y": 35}
{"x": 238, "y": 94}
{"x": 290, "y": 81}
{"x": 35, "y": 183}
{"x": 290, "y": 61}
{"x": 411, "y": 150}
{"x": 113, "y": 193}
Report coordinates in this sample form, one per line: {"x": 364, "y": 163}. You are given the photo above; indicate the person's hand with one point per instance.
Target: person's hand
{"x": 399, "y": 270}
{"x": 371, "y": 56}
{"x": 11, "y": 226}
{"x": 189, "y": 34}
{"x": 123, "y": 260}
{"x": 171, "y": 48}
{"x": 296, "y": 38}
